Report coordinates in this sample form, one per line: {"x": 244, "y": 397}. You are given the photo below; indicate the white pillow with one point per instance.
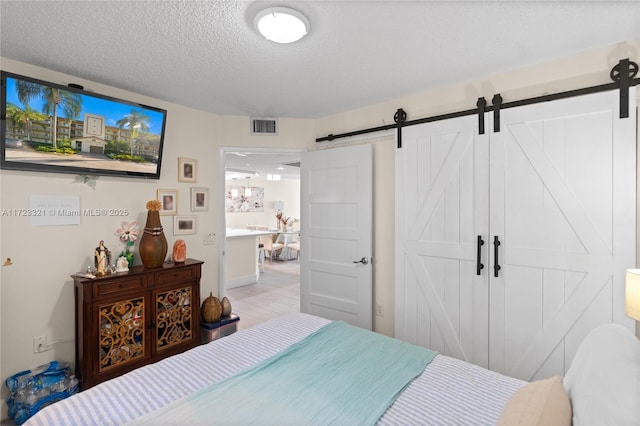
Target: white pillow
{"x": 603, "y": 381}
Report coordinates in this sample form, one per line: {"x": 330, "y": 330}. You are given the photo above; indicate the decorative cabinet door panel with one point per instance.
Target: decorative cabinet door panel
{"x": 563, "y": 205}
{"x": 556, "y": 188}
{"x": 442, "y": 206}
{"x": 173, "y": 316}
{"x": 122, "y": 331}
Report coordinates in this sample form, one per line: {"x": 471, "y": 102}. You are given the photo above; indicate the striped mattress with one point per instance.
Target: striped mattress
{"x": 449, "y": 391}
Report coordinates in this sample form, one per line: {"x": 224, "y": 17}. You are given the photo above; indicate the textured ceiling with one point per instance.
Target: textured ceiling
{"x": 206, "y": 54}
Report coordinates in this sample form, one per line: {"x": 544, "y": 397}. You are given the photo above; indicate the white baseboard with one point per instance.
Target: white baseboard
{"x": 240, "y": 281}
{"x": 4, "y": 409}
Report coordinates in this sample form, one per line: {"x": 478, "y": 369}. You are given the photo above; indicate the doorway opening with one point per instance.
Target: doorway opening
{"x": 257, "y": 183}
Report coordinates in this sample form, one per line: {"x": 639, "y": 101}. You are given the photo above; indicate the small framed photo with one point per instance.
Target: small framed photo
{"x": 184, "y": 225}
{"x": 187, "y": 170}
{"x": 199, "y": 199}
{"x": 168, "y": 202}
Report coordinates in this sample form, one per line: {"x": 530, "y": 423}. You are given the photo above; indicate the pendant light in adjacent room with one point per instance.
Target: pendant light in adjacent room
{"x": 234, "y": 190}
{"x": 247, "y": 190}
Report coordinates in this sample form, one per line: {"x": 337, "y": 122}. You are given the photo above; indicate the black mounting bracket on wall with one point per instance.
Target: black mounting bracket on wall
{"x": 623, "y": 73}
{"x": 400, "y": 117}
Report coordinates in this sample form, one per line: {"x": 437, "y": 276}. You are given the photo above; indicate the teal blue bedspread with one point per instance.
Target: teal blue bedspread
{"x": 340, "y": 374}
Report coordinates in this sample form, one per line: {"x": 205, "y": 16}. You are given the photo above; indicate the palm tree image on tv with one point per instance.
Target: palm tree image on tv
{"x": 70, "y": 104}
{"x": 25, "y": 118}
{"x": 135, "y": 121}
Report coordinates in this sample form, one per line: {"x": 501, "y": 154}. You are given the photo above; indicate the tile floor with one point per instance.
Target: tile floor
{"x": 277, "y": 292}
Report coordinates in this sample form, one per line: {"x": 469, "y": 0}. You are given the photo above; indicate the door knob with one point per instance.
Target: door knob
{"x": 364, "y": 261}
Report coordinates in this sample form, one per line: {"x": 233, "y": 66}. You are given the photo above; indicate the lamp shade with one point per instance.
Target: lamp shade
{"x": 632, "y": 293}
{"x": 278, "y": 205}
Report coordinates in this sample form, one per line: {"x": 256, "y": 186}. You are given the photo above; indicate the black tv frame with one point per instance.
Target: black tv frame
{"x": 47, "y": 164}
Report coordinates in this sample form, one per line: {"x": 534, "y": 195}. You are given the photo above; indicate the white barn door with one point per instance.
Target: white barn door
{"x": 442, "y": 206}
{"x": 556, "y": 186}
{"x": 563, "y": 206}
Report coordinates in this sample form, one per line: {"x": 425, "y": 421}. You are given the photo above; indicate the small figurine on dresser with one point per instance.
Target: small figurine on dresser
{"x": 122, "y": 264}
{"x": 102, "y": 259}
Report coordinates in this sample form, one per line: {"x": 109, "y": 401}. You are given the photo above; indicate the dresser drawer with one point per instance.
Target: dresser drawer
{"x": 178, "y": 275}
{"x": 116, "y": 286}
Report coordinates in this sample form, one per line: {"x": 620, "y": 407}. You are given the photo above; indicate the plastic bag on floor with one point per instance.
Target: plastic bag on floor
{"x": 32, "y": 390}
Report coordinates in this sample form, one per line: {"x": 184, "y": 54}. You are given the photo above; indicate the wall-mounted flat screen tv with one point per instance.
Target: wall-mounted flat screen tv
{"x": 49, "y": 127}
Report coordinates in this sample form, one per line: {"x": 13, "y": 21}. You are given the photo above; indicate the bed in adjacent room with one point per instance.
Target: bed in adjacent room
{"x": 284, "y": 370}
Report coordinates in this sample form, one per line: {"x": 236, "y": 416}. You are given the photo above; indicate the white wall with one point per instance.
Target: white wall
{"x": 36, "y": 294}
{"x": 287, "y": 190}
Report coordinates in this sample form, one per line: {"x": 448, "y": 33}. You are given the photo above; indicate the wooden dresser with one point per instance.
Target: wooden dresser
{"x": 126, "y": 320}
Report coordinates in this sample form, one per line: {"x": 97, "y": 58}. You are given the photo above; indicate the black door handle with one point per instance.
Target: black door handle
{"x": 496, "y": 263}
{"x": 479, "y": 265}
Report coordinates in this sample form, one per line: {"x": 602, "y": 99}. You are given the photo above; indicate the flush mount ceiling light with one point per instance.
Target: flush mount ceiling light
{"x": 281, "y": 24}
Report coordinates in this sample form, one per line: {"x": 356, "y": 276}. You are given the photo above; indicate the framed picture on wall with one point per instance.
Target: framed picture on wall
{"x": 187, "y": 170}
{"x": 199, "y": 199}
{"x": 184, "y": 225}
{"x": 168, "y": 202}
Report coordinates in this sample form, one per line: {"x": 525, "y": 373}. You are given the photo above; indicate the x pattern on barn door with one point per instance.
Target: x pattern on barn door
{"x": 557, "y": 186}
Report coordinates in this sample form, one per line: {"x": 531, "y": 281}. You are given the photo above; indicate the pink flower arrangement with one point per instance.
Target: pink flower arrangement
{"x": 128, "y": 234}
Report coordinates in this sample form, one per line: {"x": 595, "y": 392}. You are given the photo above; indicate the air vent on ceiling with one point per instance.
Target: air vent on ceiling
{"x": 264, "y": 126}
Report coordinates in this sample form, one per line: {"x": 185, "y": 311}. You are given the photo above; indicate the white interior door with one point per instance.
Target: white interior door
{"x": 563, "y": 206}
{"x": 336, "y": 241}
{"x": 442, "y": 207}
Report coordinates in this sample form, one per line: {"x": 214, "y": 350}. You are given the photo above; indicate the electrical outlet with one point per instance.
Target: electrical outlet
{"x": 39, "y": 344}
{"x": 209, "y": 238}
{"x": 380, "y": 310}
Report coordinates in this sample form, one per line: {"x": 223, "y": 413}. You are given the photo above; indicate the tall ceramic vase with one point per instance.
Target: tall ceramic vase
{"x": 153, "y": 244}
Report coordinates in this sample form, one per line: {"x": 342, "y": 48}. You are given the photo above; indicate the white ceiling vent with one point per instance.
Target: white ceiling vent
{"x": 264, "y": 126}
